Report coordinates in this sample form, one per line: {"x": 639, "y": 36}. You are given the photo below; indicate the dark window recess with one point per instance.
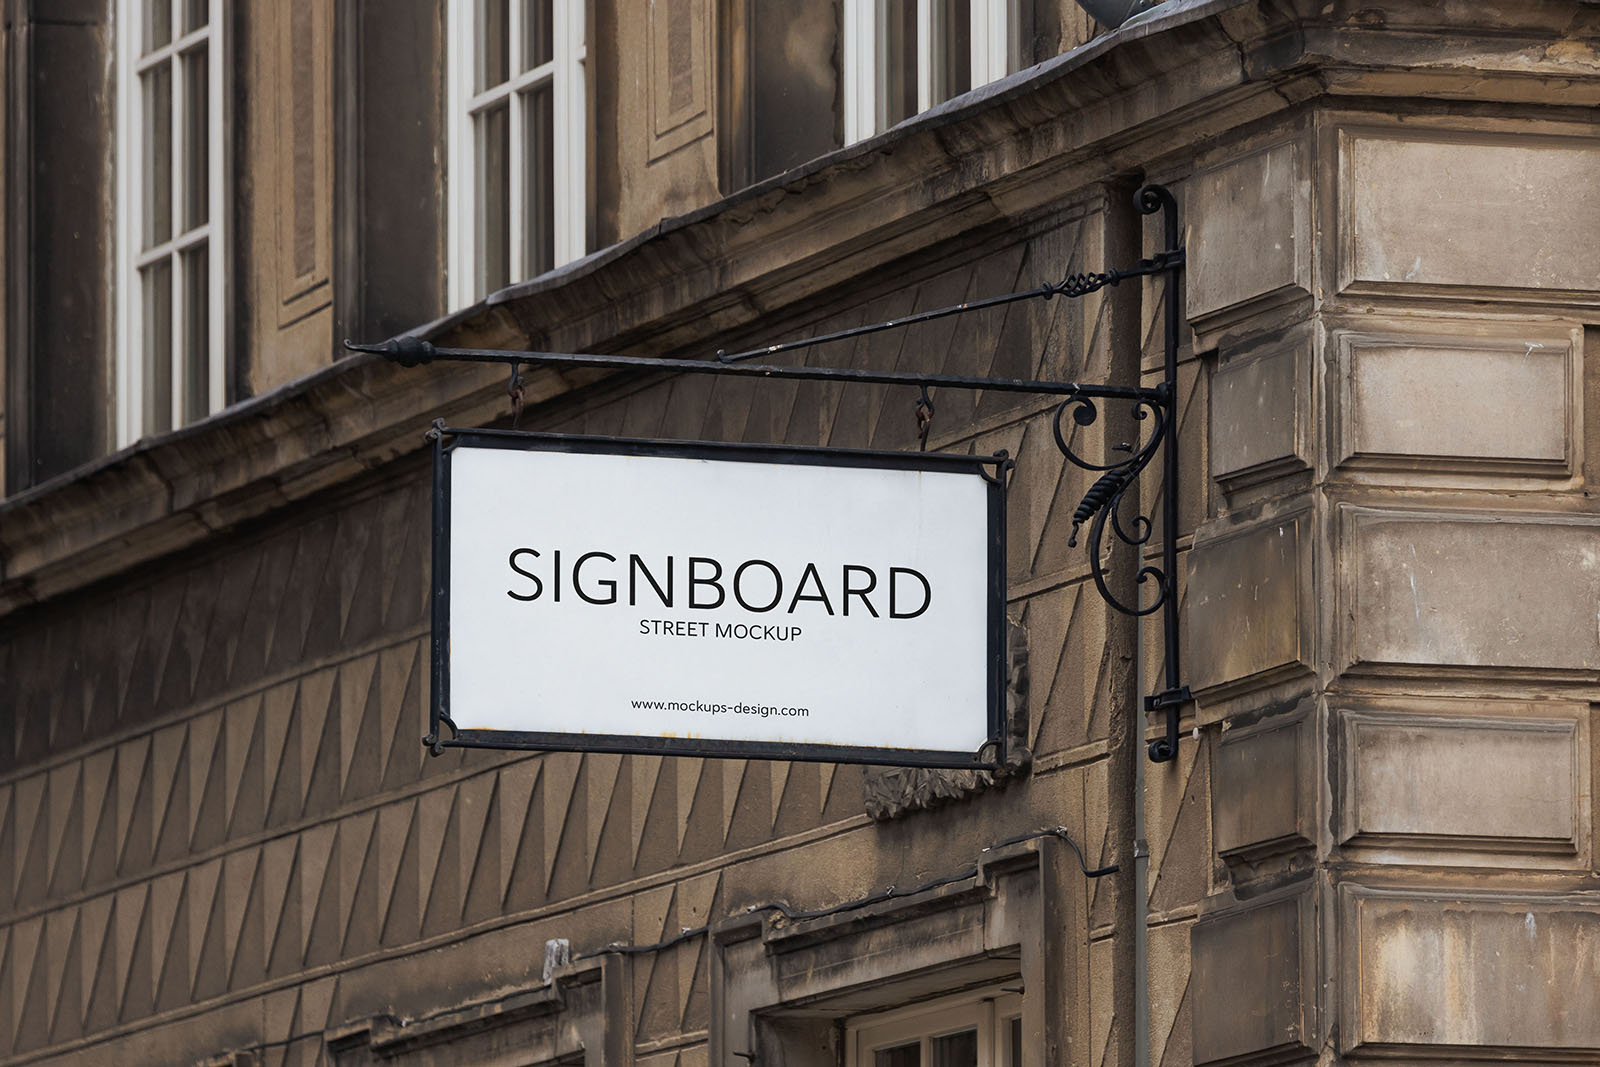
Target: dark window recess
{"x": 388, "y": 125}
{"x": 58, "y": 190}
{"x": 952, "y": 73}
{"x": 956, "y": 1050}
{"x": 899, "y": 71}
{"x": 782, "y": 59}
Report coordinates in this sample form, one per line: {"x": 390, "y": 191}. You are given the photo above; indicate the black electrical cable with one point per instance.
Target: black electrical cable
{"x": 1061, "y": 832}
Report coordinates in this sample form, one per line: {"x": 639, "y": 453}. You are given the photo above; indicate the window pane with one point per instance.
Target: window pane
{"x": 157, "y": 24}
{"x": 899, "y": 38}
{"x": 196, "y": 139}
{"x": 156, "y": 357}
{"x": 157, "y": 148}
{"x": 493, "y": 45}
{"x": 956, "y": 1050}
{"x": 538, "y": 177}
{"x": 537, "y": 33}
{"x": 793, "y": 84}
{"x": 1014, "y": 1045}
{"x": 898, "y": 1056}
{"x": 196, "y": 335}
{"x": 195, "y": 13}
{"x": 952, "y": 49}
{"x": 493, "y": 199}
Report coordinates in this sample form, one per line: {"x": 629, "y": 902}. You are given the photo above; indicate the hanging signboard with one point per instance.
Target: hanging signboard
{"x": 717, "y": 600}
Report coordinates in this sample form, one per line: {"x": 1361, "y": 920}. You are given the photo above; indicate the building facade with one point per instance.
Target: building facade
{"x": 221, "y": 839}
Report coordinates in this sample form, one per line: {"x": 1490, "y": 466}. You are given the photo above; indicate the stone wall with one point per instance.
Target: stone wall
{"x": 224, "y": 833}
{"x": 1391, "y": 609}
{"x": 219, "y": 835}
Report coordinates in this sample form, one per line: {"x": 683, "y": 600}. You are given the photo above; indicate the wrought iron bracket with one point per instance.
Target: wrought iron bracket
{"x": 1102, "y": 505}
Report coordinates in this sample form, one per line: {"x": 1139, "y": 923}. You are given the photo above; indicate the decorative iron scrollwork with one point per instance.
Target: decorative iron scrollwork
{"x": 1102, "y": 503}
{"x": 1076, "y": 285}
{"x": 434, "y": 743}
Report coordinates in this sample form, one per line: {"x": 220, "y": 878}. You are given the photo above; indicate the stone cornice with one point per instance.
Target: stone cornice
{"x": 1188, "y": 71}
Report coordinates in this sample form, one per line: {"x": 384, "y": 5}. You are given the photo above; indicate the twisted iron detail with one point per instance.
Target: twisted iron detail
{"x": 1102, "y": 503}
{"x": 1076, "y": 285}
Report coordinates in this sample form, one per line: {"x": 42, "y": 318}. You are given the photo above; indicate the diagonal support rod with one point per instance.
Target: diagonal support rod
{"x": 411, "y": 352}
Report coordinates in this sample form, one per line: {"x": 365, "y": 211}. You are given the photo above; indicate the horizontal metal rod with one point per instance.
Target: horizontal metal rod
{"x": 410, "y": 352}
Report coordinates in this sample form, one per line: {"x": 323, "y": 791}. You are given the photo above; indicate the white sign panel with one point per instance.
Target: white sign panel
{"x": 724, "y": 600}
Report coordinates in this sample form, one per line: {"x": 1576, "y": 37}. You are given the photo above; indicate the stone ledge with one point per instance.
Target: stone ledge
{"x": 1193, "y": 69}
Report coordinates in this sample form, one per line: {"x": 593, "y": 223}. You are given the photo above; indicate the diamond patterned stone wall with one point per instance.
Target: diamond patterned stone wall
{"x": 212, "y": 787}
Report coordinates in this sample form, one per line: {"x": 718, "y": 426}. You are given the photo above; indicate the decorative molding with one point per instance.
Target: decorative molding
{"x": 1408, "y": 579}
{"x": 1464, "y": 781}
{"x": 303, "y": 75}
{"x": 1489, "y": 400}
{"x": 770, "y": 972}
{"x": 1398, "y": 236}
{"x": 1263, "y": 807}
{"x": 680, "y": 74}
{"x": 560, "y": 1022}
{"x": 1261, "y": 411}
{"x": 1410, "y": 957}
{"x": 890, "y": 792}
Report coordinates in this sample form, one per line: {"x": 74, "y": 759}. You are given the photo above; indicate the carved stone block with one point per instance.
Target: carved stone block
{"x": 1426, "y": 972}
{"x": 1421, "y": 212}
{"x": 1469, "y": 777}
{"x": 1252, "y": 980}
{"x": 1248, "y": 604}
{"x": 1260, "y": 411}
{"x": 1263, "y": 799}
{"x": 1249, "y": 235}
{"x": 1433, "y": 402}
{"x": 1469, "y": 589}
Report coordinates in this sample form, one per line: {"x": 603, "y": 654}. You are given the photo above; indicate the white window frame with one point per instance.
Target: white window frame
{"x": 129, "y": 362}
{"x": 565, "y": 73}
{"x": 988, "y": 1011}
{"x": 865, "y": 68}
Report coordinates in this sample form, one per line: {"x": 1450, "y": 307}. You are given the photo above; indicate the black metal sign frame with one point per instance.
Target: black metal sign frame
{"x": 1102, "y": 505}
{"x": 443, "y": 732}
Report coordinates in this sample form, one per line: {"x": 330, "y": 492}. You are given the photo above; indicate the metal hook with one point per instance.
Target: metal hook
{"x": 924, "y": 418}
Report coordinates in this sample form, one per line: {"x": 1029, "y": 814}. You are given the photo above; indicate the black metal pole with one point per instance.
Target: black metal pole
{"x": 1154, "y": 198}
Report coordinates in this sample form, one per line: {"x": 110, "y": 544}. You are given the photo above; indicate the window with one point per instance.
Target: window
{"x": 518, "y": 127}
{"x": 779, "y": 80}
{"x": 902, "y": 57}
{"x": 971, "y": 1030}
{"x": 171, "y": 191}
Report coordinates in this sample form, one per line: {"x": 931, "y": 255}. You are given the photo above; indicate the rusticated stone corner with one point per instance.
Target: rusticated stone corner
{"x": 889, "y": 792}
